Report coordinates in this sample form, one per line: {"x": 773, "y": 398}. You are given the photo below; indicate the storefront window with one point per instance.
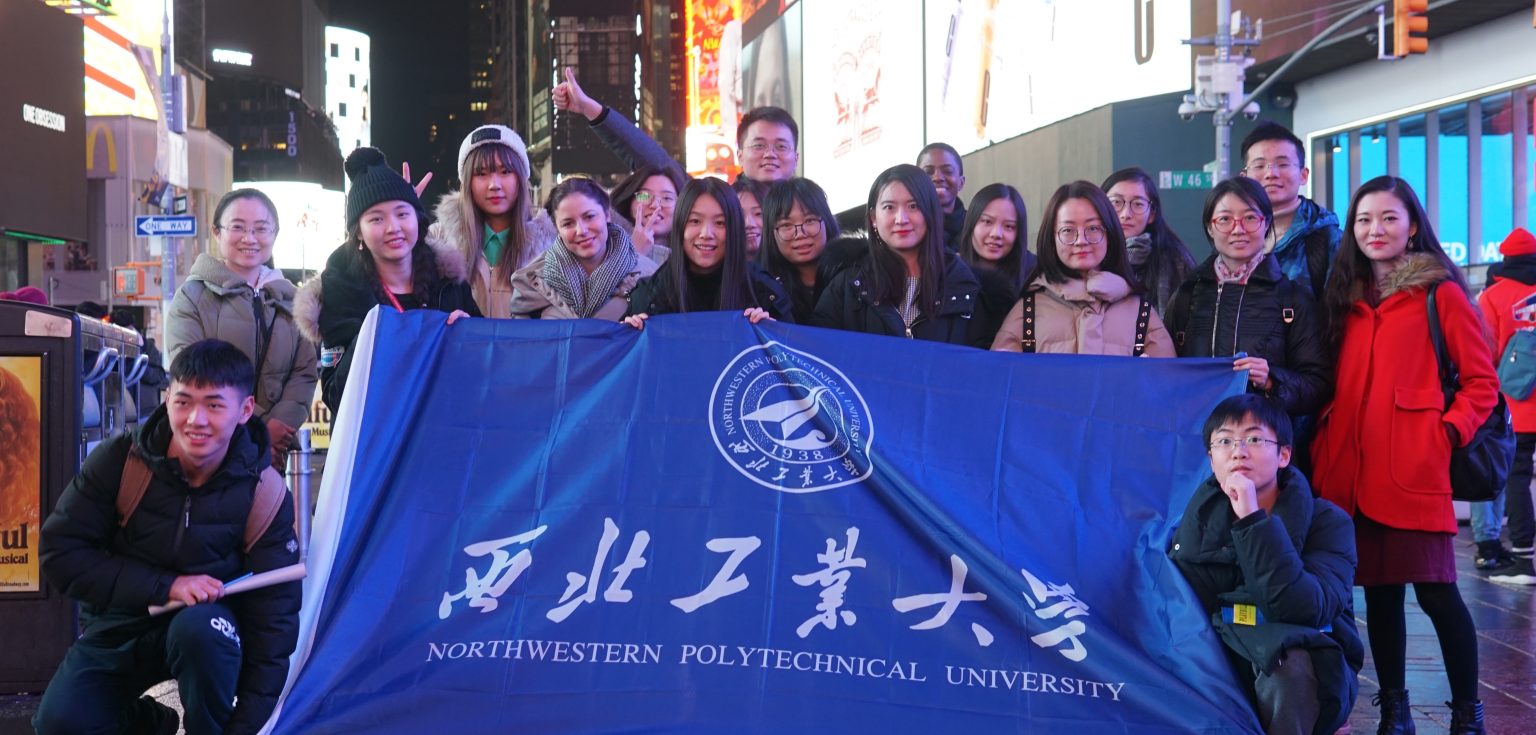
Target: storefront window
{"x": 1498, "y": 183}
{"x": 1452, "y": 146}
{"x": 1338, "y": 172}
{"x": 1412, "y": 153}
{"x": 1373, "y": 152}
{"x": 1530, "y": 157}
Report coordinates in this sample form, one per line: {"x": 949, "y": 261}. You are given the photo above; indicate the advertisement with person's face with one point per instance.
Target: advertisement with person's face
{"x": 770, "y": 66}
{"x": 863, "y": 93}
{"x": 997, "y": 69}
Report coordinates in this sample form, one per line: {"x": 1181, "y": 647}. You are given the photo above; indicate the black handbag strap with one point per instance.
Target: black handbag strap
{"x": 1143, "y": 319}
{"x": 1448, "y": 377}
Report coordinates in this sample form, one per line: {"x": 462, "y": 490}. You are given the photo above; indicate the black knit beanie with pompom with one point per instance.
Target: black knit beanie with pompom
{"x": 373, "y": 182}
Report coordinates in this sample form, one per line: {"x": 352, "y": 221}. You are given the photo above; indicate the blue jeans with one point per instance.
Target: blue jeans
{"x": 1488, "y": 519}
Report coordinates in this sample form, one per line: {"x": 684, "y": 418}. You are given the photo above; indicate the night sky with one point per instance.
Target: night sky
{"x": 418, "y": 50}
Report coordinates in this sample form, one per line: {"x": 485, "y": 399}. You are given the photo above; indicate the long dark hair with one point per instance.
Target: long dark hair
{"x": 424, "y": 271}
{"x": 888, "y": 272}
{"x": 486, "y": 157}
{"x": 1012, "y": 264}
{"x": 1352, "y": 270}
{"x": 1163, "y": 236}
{"x": 1048, "y": 262}
{"x": 782, "y": 197}
{"x": 735, "y": 282}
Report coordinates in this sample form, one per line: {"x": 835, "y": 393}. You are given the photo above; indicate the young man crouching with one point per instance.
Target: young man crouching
{"x": 1274, "y": 567}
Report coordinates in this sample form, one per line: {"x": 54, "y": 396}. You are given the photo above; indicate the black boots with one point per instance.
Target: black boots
{"x": 1466, "y": 717}
{"x": 1396, "y": 719}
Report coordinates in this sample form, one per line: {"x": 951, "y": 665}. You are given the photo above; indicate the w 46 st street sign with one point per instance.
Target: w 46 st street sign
{"x": 165, "y": 225}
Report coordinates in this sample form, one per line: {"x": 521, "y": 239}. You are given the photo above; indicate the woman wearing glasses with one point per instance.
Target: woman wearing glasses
{"x": 709, "y": 270}
{"x": 1081, "y": 297}
{"x": 803, "y": 248}
{"x": 992, "y": 245}
{"x": 643, "y": 204}
{"x": 1383, "y": 448}
{"x": 1159, "y": 260}
{"x": 232, "y": 295}
{"x": 592, "y": 267}
{"x": 1238, "y": 303}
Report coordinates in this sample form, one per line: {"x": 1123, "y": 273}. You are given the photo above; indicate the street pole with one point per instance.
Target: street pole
{"x": 1222, "y": 117}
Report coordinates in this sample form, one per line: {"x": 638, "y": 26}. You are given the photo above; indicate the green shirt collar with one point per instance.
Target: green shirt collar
{"x": 495, "y": 242}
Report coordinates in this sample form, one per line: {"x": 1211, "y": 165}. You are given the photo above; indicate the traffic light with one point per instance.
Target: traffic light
{"x": 1410, "y": 27}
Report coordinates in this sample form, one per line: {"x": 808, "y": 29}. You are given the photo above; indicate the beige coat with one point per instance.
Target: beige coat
{"x": 453, "y": 229}
{"x": 533, "y": 298}
{"x": 214, "y": 303}
{"x": 1096, "y": 316}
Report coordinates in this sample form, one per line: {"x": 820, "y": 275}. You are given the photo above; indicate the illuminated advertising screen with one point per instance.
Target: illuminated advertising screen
{"x": 42, "y": 123}
{"x": 21, "y": 478}
{"x": 770, "y": 66}
{"x": 863, "y": 72}
{"x": 115, "y": 80}
{"x": 998, "y": 69}
{"x": 713, "y": 29}
{"x": 311, "y": 222}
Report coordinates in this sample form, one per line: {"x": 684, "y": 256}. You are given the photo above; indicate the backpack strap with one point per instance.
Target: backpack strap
{"x": 1447, "y": 370}
{"x": 1027, "y": 344}
{"x": 269, "y": 497}
{"x": 1143, "y": 319}
{"x": 134, "y": 483}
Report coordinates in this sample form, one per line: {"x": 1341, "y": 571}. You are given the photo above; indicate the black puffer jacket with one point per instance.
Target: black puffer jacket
{"x": 653, "y": 295}
{"x": 1296, "y": 565}
{"x": 1270, "y": 317}
{"x": 329, "y": 310}
{"x": 116, "y": 574}
{"x": 848, "y": 304}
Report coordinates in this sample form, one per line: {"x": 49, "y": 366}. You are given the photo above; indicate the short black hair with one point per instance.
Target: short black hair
{"x": 1263, "y": 410}
{"x": 1249, "y": 190}
{"x": 766, "y": 114}
{"x": 947, "y": 148}
{"x": 1271, "y": 130}
{"x": 214, "y": 363}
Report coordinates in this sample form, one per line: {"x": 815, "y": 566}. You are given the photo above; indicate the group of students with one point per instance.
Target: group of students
{"x": 1329, "y": 322}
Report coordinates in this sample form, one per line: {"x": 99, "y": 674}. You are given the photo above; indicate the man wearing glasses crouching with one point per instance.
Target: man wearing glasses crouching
{"x": 1274, "y": 567}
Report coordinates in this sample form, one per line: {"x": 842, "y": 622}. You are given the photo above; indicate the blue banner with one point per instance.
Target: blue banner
{"x": 709, "y": 526}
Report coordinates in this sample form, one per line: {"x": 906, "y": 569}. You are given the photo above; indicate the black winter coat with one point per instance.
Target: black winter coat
{"x": 116, "y": 574}
{"x": 330, "y": 309}
{"x": 1270, "y": 317}
{"x": 654, "y": 295}
{"x": 848, "y": 304}
{"x": 1297, "y": 566}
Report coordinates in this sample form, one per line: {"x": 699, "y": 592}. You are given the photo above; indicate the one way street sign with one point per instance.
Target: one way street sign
{"x": 155, "y": 225}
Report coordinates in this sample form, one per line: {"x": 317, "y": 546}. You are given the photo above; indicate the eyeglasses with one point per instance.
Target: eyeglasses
{"x": 1137, "y": 205}
{"x": 1227, "y": 443}
{"x": 1227, "y": 223}
{"x": 239, "y": 231}
{"x": 761, "y": 147}
{"x": 645, "y": 197}
{"x": 808, "y": 228}
{"x": 1092, "y": 234}
{"x": 1259, "y": 167}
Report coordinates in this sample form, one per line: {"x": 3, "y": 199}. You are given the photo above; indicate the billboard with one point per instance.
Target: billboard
{"x": 116, "y": 83}
{"x": 713, "y": 29}
{"x": 863, "y": 71}
{"x": 42, "y": 122}
{"x": 770, "y": 66}
{"x": 996, "y": 70}
{"x": 311, "y": 222}
{"x": 21, "y": 478}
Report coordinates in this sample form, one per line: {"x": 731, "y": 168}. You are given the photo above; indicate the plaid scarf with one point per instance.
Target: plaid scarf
{"x": 584, "y": 293}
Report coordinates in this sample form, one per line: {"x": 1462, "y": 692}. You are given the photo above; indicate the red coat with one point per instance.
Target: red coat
{"x": 1381, "y": 447}
{"x": 1497, "y": 302}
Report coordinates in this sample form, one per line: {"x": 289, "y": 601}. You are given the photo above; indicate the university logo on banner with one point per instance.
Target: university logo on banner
{"x": 710, "y": 526}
